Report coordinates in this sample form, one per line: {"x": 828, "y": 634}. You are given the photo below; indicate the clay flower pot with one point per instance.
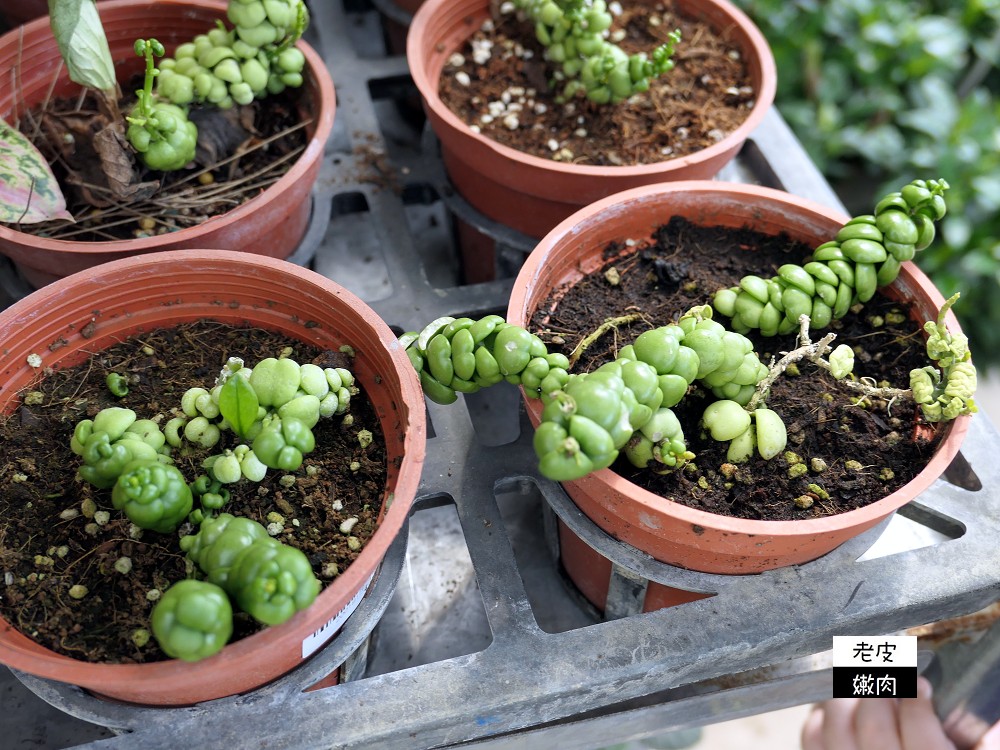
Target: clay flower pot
{"x": 272, "y": 223}
{"x": 668, "y": 531}
{"x": 131, "y": 295}
{"x": 532, "y": 194}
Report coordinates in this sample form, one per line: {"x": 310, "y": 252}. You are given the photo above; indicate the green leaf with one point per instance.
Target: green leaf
{"x": 29, "y": 192}
{"x": 79, "y": 33}
{"x": 238, "y": 404}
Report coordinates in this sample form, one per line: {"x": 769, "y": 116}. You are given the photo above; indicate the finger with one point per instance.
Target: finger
{"x": 876, "y": 725}
{"x": 991, "y": 741}
{"x": 812, "y": 730}
{"x": 919, "y": 725}
{"x": 838, "y": 724}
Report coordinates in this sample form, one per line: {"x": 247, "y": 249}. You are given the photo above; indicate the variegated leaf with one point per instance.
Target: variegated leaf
{"x": 29, "y": 192}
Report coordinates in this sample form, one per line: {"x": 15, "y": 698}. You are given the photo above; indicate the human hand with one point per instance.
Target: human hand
{"x": 882, "y": 724}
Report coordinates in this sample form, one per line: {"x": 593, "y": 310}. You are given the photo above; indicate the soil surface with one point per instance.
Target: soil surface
{"x": 241, "y": 152}
{"x": 705, "y": 97}
{"x": 50, "y": 540}
{"x": 681, "y": 267}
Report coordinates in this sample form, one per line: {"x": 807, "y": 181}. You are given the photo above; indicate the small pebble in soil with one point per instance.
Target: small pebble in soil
{"x": 804, "y": 501}
{"x": 348, "y": 525}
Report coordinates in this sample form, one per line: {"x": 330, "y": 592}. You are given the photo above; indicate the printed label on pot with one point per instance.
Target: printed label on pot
{"x": 312, "y": 643}
{"x": 875, "y": 666}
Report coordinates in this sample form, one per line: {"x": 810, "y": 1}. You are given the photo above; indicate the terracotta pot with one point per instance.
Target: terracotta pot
{"x": 131, "y": 295}
{"x": 532, "y": 194}
{"x": 272, "y": 223}
{"x": 668, "y": 531}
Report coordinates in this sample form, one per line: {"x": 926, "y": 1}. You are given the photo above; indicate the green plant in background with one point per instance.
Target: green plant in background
{"x": 879, "y": 91}
{"x": 574, "y": 34}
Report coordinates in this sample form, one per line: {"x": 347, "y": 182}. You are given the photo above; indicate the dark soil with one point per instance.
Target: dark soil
{"x": 47, "y": 544}
{"x": 705, "y": 97}
{"x": 681, "y": 267}
{"x": 241, "y": 152}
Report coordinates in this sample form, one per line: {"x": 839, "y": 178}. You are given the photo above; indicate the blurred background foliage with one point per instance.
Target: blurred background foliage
{"x": 880, "y": 92}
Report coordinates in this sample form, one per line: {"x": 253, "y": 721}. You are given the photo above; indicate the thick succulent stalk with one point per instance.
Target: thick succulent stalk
{"x": 575, "y": 36}
{"x": 625, "y": 405}
{"x": 866, "y": 254}
{"x": 255, "y": 58}
{"x": 590, "y": 417}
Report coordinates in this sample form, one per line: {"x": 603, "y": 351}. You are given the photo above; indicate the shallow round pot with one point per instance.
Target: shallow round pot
{"x": 668, "y": 531}
{"x": 532, "y": 194}
{"x": 272, "y": 223}
{"x": 101, "y": 306}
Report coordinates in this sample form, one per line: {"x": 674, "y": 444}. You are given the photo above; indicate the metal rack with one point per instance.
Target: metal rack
{"x": 480, "y": 641}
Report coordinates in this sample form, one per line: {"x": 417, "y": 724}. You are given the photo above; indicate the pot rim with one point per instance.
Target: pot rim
{"x": 427, "y": 23}
{"x": 24, "y": 653}
{"x": 584, "y": 220}
{"x": 191, "y": 235}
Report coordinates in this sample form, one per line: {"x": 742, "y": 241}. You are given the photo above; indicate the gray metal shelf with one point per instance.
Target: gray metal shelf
{"x": 481, "y": 642}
